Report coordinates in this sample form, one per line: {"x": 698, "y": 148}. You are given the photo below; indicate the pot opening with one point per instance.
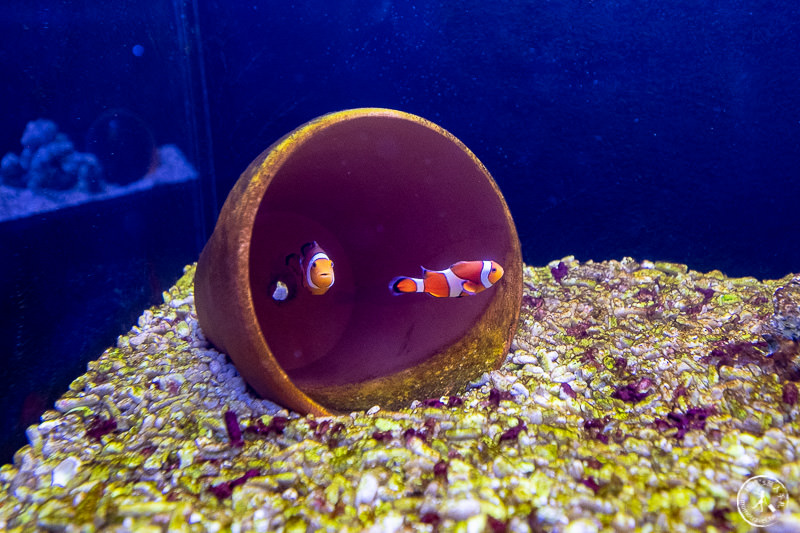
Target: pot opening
{"x": 382, "y": 197}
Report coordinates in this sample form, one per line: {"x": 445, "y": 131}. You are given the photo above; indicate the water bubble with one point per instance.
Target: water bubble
{"x": 124, "y": 145}
{"x": 138, "y": 50}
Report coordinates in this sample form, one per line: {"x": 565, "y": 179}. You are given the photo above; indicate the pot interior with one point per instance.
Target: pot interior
{"x": 383, "y": 197}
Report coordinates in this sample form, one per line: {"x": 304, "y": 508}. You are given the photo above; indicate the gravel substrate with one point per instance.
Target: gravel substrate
{"x": 638, "y": 396}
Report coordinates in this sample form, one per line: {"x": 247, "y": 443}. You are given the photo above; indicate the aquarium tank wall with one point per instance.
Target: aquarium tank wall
{"x": 106, "y": 168}
{"x": 656, "y": 131}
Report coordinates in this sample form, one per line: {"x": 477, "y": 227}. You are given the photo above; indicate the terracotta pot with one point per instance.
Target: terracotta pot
{"x": 383, "y": 192}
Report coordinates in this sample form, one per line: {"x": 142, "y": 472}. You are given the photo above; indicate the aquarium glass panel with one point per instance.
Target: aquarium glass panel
{"x": 101, "y": 183}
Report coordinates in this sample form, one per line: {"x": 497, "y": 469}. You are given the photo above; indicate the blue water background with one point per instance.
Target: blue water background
{"x": 661, "y": 130}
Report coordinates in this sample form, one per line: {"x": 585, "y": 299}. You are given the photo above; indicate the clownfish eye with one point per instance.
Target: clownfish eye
{"x": 314, "y": 264}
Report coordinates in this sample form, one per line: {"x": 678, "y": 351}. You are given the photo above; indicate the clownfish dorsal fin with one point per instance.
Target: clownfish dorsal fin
{"x": 307, "y": 246}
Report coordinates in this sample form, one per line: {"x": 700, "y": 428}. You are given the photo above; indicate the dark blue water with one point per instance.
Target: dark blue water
{"x": 665, "y": 131}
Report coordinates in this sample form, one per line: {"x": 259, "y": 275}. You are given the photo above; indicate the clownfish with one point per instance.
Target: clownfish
{"x": 464, "y": 277}
{"x": 316, "y": 268}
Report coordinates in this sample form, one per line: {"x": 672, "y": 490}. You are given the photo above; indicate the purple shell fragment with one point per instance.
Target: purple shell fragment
{"x": 382, "y": 436}
{"x": 629, "y": 393}
{"x": 591, "y": 483}
{"x": 789, "y": 395}
{"x": 234, "y": 431}
{"x": 100, "y": 427}
{"x": 440, "y": 469}
{"x": 568, "y": 390}
{"x": 694, "y": 418}
{"x": 225, "y": 489}
{"x": 497, "y": 395}
{"x": 513, "y": 433}
{"x": 276, "y": 425}
{"x": 559, "y": 272}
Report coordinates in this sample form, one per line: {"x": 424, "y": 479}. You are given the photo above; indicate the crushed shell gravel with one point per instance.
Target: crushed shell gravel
{"x": 591, "y": 424}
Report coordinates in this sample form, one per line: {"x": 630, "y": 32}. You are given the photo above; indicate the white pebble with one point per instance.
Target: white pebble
{"x": 367, "y": 488}
{"x": 228, "y": 373}
{"x": 787, "y": 523}
{"x": 141, "y": 338}
{"x": 534, "y": 370}
{"x": 518, "y": 389}
{"x": 34, "y": 436}
{"x": 522, "y": 358}
{"x": 210, "y": 402}
{"x": 461, "y": 509}
{"x": 175, "y": 379}
{"x": 65, "y": 471}
{"x": 260, "y": 521}
{"x": 176, "y": 303}
{"x": 66, "y": 404}
{"x": 478, "y": 383}
{"x": 49, "y": 425}
{"x": 145, "y": 319}
{"x": 148, "y": 422}
{"x": 747, "y": 461}
{"x": 374, "y": 409}
{"x": 692, "y": 517}
{"x": 551, "y": 515}
{"x": 623, "y": 522}
{"x": 575, "y": 469}
{"x": 388, "y": 524}
{"x": 501, "y": 380}
{"x": 560, "y": 374}
{"x": 582, "y": 525}
{"x": 535, "y": 417}
{"x": 103, "y": 389}
{"x": 290, "y": 494}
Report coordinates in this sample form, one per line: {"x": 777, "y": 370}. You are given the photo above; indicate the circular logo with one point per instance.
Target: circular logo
{"x": 761, "y": 499}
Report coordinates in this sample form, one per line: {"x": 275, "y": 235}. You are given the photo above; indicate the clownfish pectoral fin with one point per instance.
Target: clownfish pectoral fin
{"x": 471, "y": 288}
{"x": 293, "y": 262}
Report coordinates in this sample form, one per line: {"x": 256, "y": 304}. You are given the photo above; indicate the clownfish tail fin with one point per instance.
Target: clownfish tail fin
{"x": 402, "y": 285}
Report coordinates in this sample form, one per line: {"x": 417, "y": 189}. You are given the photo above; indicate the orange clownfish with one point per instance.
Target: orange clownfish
{"x": 316, "y": 268}
{"x": 464, "y": 277}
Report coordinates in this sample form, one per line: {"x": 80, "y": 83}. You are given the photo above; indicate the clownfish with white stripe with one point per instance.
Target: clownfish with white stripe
{"x": 464, "y": 277}
{"x": 316, "y": 268}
